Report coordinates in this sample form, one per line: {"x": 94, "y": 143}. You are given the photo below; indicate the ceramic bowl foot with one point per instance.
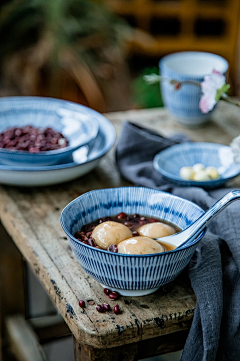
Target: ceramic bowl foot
{"x": 131, "y": 293}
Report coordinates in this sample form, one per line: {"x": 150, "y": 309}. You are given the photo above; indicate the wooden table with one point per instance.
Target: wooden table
{"x": 148, "y": 325}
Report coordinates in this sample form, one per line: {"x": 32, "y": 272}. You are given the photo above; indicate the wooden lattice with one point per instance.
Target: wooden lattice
{"x": 178, "y": 25}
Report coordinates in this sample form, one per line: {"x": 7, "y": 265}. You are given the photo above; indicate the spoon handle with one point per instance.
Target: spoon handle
{"x": 202, "y": 222}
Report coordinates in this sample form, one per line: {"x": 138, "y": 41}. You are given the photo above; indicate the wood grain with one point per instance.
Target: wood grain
{"x": 31, "y": 217}
{"x": 140, "y": 350}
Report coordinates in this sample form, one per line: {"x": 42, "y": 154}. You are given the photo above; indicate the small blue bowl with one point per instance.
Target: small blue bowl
{"x": 76, "y": 122}
{"x": 130, "y": 275}
{"x": 171, "y": 160}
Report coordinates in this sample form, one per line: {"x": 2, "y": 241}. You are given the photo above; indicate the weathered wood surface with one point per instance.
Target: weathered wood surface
{"x": 133, "y": 352}
{"x": 31, "y": 217}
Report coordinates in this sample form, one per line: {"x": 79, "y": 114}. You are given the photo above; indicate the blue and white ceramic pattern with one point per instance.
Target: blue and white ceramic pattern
{"x": 171, "y": 160}
{"x": 133, "y": 275}
{"x": 184, "y": 103}
{"x": 74, "y": 121}
{"x": 82, "y": 161}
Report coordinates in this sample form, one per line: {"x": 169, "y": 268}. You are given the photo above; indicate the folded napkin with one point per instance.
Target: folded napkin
{"x": 214, "y": 268}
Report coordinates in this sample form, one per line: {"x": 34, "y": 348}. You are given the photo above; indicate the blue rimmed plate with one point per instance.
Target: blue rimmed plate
{"x": 171, "y": 160}
{"x": 83, "y": 161}
{"x": 73, "y": 120}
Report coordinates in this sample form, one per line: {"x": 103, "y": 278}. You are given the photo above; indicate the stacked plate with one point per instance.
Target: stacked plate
{"x": 90, "y": 136}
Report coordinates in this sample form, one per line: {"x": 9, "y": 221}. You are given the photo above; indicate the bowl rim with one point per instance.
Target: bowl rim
{"x": 63, "y": 150}
{"x": 164, "y": 59}
{"x": 178, "y": 179}
{"x": 178, "y": 249}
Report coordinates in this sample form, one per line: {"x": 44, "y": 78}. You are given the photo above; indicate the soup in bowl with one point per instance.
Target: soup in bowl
{"x": 128, "y": 234}
{"x": 126, "y": 268}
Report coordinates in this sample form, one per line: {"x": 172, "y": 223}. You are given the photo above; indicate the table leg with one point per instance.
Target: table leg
{"x": 12, "y": 279}
{"x": 121, "y": 353}
{"x": 0, "y": 323}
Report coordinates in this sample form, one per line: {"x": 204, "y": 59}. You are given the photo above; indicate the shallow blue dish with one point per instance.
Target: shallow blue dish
{"x": 131, "y": 275}
{"x": 171, "y": 160}
{"x": 82, "y": 161}
{"x": 74, "y": 121}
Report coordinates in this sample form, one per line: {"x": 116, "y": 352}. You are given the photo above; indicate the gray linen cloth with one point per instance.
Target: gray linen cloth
{"x": 214, "y": 268}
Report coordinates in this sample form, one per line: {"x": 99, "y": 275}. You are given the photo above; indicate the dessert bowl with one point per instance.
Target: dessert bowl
{"x": 130, "y": 275}
{"x": 77, "y": 123}
{"x": 169, "y": 162}
{"x": 82, "y": 161}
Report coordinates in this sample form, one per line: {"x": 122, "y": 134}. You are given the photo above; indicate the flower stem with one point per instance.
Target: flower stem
{"x": 154, "y": 78}
{"x": 227, "y": 99}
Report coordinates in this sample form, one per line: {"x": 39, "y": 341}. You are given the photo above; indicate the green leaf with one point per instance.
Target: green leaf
{"x": 223, "y": 90}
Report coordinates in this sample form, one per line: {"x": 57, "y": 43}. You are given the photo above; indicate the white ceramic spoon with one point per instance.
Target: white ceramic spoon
{"x": 190, "y": 233}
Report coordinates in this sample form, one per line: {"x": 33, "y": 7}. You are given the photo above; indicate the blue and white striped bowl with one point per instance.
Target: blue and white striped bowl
{"x": 193, "y": 66}
{"x": 133, "y": 275}
{"x": 77, "y": 123}
{"x": 171, "y": 160}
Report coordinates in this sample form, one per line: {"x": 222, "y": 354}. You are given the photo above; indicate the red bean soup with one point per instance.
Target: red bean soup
{"x": 127, "y": 233}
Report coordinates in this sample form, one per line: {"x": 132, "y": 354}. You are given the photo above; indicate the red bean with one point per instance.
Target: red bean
{"x": 128, "y": 224}
{"x": 116, "y": 309}
{"x": 81, "y": 303}
{"x": 106, "y": 306}
{"x": 18, "y": 132}
{"x": 113, "y": 248}
{"x": 136, "y": 215}
{"x": 99, "y": 308}
{"x": 54, "y": 141}
{"x": 106, "y": 291}
{"x": 113, "y": 295}
{"x": 121, "y": 215}
{"x": 135, "y": 233}
{"x": 153, "y": 220}
{"x": 91, "y": 242}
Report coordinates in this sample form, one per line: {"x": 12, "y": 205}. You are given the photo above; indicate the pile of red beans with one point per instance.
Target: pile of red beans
{"x": 32, "y": 139}
{"x": 105, "y": 307}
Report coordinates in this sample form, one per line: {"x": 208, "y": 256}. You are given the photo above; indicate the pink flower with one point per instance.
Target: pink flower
{"x": 212, "y": 87}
